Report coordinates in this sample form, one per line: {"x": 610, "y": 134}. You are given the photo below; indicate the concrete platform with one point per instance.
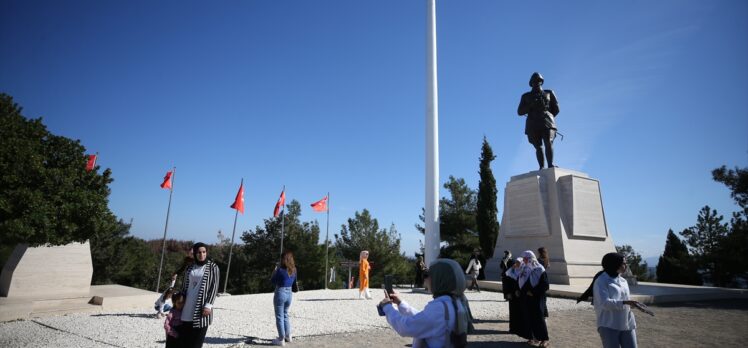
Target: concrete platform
{"x": 647, "y": 293}
{"x": 100, "y": 298}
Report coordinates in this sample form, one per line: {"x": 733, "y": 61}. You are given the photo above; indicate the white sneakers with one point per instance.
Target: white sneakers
{"x": 288, "y": 339}
{"x": 279, "y": 342}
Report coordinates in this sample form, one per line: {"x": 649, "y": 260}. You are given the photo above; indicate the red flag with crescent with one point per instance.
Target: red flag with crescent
{"x": 280, "y": 203}
{"x": 167, "y": 181}
{"x": 320, "y": 205}
{"x": 239, "y": 201}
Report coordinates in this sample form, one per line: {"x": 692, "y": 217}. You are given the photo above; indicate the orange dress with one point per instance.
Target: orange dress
{"x": 363, "y": 275}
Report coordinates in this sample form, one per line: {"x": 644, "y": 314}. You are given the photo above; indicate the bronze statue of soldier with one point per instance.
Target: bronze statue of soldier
{"x": 541, "y": 107}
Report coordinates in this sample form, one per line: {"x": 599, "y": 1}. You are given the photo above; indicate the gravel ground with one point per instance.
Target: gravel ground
{"x": 335, "y": 318}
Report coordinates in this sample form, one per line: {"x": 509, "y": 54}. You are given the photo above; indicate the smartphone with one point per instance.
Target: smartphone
{"x": 381, "y": 312}
{"x": 388, "y": 284}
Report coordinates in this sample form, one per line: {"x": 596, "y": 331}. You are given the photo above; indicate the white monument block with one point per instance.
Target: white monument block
{"x": 47, "y": 272}
{"x": 558, "y": 209}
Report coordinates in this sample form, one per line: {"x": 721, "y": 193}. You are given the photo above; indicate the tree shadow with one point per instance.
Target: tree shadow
{"x": 225, "y": 340}
{"x": 496, "y": 321}
{"x": 131, "y": 315}
{"x": 733, "y": 304}
{"x": 256, "y": 341}
{"x": 497, "y": 344}
{"x": 329, "y": 299}
{"x": 489, "y": 332}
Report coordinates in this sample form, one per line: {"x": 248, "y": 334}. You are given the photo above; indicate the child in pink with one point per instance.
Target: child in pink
{"x": 173, "y": 321}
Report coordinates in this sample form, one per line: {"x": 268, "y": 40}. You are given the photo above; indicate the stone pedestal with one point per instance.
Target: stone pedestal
{"x": 558, "y": 209}
{"x": 47, "y": 272}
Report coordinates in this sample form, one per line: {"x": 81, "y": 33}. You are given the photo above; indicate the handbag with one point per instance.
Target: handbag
{"x": 295, "y": 286}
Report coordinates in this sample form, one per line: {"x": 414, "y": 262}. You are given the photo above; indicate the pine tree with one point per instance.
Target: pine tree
{"x": 362, "y": 232}
{"x": 675, "y": 265}
{"x": 634, "y": 261}
{"x": 704, "y": 240}
{"x": 487, "y": 212}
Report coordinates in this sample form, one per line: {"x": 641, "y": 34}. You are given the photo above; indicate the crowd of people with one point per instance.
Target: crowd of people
{"x": 444, "y": 322}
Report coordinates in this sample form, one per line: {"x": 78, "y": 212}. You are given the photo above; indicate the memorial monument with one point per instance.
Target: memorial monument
{"x": 556, "y": 208}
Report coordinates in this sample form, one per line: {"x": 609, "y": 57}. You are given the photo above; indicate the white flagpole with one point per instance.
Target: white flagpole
{"x": 327, "y": 238}
{"x": 231, "y": 248}
{"x": 283, "y": 222}
{"x": 166, "y": 226}
{"x": 432, "y": 139}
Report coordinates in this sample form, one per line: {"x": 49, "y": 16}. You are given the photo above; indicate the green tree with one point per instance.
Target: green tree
{"x": 675, "y": 265}
{"x": 47, "y": 196}
{"x": 362, "y": 233}
{"x": 734, "y": 248}
{"x": 458, "y": 221}
{"x": 704, "y": 240}
{"x": 487, "y": 212}
{"x": 634, "y": 261}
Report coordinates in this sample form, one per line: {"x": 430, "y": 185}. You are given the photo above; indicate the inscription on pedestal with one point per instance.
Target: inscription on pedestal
{"x": 525, "y": 208}
{"x": 582, "y": 208}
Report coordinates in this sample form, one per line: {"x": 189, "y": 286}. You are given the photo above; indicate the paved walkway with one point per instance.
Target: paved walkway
{"x": 335, "y": 318}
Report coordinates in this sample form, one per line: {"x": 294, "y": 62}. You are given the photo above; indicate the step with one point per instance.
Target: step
{"x": 63, "y": 306}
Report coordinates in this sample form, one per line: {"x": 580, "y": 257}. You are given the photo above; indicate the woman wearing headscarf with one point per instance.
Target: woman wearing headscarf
{"x": 545, "y": 261}
{"x": 533, "y": 283}
{"x": 506, "y": 262}
{"x": 200, "y": 287}
{"x": 363, "y": 275}
{"x": 445, "y": 321}
{"x": 615, "y": 321}
{"x": 510, "y": 287}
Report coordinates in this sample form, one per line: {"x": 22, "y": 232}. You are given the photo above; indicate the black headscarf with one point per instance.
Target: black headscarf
{"x": 611, "y": 263}
{"x": 195, "y": 248}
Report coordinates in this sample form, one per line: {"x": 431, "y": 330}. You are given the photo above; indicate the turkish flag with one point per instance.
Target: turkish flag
{"x": 279, "y": 204}
{"x": 239, "y": 201}
{"x": 167, "y": 181}
{"x": 320, "y": 205}
{"x": 91, "y": 163}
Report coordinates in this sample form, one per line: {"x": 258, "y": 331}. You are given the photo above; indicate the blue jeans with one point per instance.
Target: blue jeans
{"x": 616, "y": 338}
{"x": 281, "y": 302}
{"x": 167, "y": 308}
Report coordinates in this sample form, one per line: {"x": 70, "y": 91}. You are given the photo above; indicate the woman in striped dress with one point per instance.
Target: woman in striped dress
{"x": 200, "y": 287}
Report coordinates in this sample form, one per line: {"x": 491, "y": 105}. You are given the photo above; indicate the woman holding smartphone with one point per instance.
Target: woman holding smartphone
{"x": 615, "y": 321}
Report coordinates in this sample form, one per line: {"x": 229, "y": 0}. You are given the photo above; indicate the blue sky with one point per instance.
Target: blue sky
{"x": 329, "y": 96}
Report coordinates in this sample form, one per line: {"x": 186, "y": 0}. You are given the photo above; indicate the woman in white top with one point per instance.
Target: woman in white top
{"x": 446, "y": 314}
{"x": 473, "y": 269}
{"x": 615, "y": 321}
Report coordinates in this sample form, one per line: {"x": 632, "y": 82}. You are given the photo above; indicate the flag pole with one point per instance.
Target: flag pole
{"x": 166, "y": 226}
{"x": 327, "y": 236}
{"x": 431, "y": 215}
{"x": 231, "y": 248}
{"x": 283, "y": 222}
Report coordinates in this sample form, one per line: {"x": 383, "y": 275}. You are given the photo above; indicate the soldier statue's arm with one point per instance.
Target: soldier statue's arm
{"x": 553, "y": 106}
{"x": 524, "y": 105}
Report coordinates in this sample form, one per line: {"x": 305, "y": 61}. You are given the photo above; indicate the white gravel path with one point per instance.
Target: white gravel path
{"x": 238, "y": 319}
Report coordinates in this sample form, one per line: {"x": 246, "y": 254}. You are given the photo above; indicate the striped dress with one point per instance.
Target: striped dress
{"x": 206, "y": 293}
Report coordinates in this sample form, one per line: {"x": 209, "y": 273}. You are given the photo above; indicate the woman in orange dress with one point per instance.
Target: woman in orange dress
{"x": 363, "y": 275}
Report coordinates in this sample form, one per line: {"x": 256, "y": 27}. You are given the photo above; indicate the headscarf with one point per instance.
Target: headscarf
{"x": 195, "y": 248}
{"x": 505, "y": 260}
{"x": 531, "y": 270}
{"x": 447, "y": 279}
{"x": 587, "y": 293}
{"x": 512, "y": 272}
{"x": 611, "y": 263}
